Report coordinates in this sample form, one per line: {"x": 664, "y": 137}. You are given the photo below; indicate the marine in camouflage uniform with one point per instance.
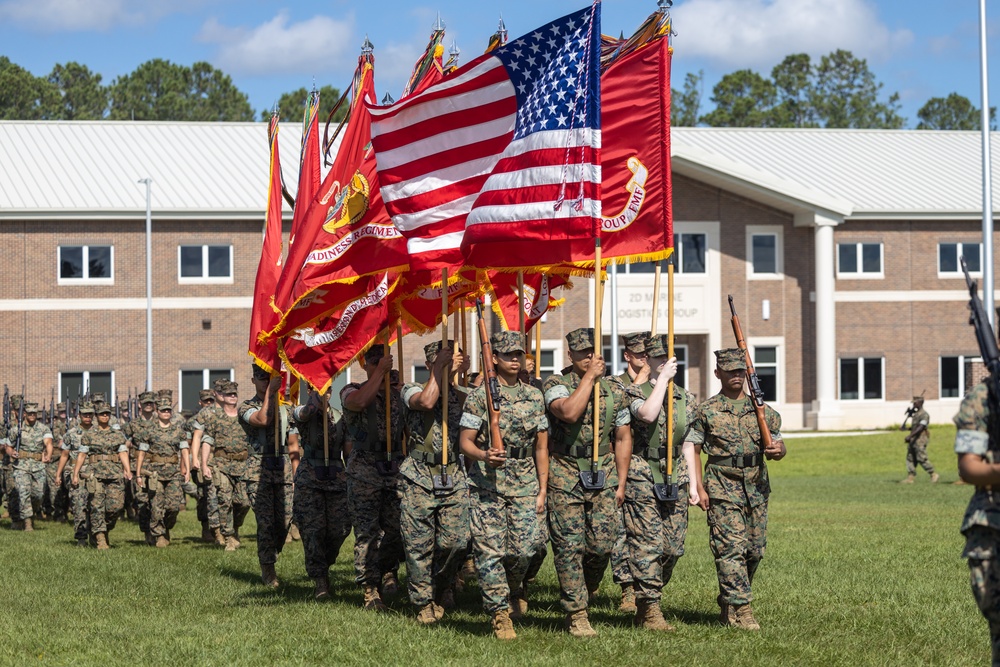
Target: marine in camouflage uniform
{"x": 434, "y": 523}
{"x": 208, "y": 502}
{"x": 508, "y": 481}
{"x": 103, "y": 465}
{"x": 137, "y": 497}
{"x": 321, "y": 509}
{"x": 7, "y": 470}
{"x": 225, "y": 440}
{"x": 979, "y": 464}
{"x": 656, "y": 529}
{"x": 636, "y": 370}
{"x": 162, "y": 468}
{"x": 29, "y": 467}
{"x": 916, "y": 443}
{"x": 373, "y": 478}
{"x": 56, "y": 497}
{"x": 274, "y": 455}
{"x": 70, "y": 450}
{"x": 583, "y": 524}
{"x": 736, "y": 482}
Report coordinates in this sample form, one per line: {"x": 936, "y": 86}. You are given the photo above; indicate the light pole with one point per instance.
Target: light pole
{"x": 987, "y": 175}
{"x": 149, "y": 283}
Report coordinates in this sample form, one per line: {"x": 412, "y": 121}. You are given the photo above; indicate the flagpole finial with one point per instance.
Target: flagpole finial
{"x": 367, "y": 47}
{"x": 387, "y": 100}
{"x": 454, "y": 52}
{"x": 439, "y": 25}
{"x": 664, "y": 5}
{"x": 502, "y": 30}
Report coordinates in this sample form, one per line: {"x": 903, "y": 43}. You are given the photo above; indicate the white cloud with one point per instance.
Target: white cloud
{"x": 88, "y": 15}
{"x": 319, "y": 44}
{"x": 760, "y": 33}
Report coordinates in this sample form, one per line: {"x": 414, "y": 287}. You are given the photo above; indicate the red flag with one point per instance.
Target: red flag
{"x": 428, "y": 69}
{"x": 505, "y": 148}
{"x": 262, "y": 316}
{"x": 538, "y": 297}
{"x": 419, "y": 300}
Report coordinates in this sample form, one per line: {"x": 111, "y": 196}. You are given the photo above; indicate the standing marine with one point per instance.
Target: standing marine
{"x": 70, "y": 450}
{"x": 163, "y": 465}
{"x": 226, "y": 442}
{"x": 103, "y": 465}
{"x": 916, "y": 443}
{"x": 30, "y": 450}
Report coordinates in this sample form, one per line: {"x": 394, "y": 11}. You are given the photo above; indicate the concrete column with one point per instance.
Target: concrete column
{"x": 826, "y": 408}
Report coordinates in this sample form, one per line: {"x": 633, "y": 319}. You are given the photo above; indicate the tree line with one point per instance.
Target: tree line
{"x": 838, "y": 91}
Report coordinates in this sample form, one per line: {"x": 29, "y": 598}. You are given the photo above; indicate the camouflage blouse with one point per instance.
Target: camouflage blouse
{"x": 642, "y": 432}
{"x": 226, "y": 437}
{"x": 425, "y": 432}
{"x": 106, "y": 443}
{"x": 32, "y": 437}
{"x": 358, "y": 425}
{"x": 262, "y": 438}
{"x": 983, "y": 512}
{"x": 163, "y": 442}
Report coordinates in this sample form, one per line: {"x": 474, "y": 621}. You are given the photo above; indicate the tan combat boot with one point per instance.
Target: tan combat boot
{"x": 322, "y": 591}
{"x": 28, "y": 527}
{"x": 502, "y": 626}
{"x": 935, "y": 477}
{"x": 102, "y": 542}
{"x": 161, "y": 542}
{"x": 232, "y": 544}
{"x": 628, "y": 599}
{"x": 741, "y": 616}
{"x": 218, "y": 537}
{"x": 427, "y": 615}
{"x": 268, "y": 575}
{"x": 293, "y": 530}
{"x": 373, "y": 600}
{"x": 648, "y": 615}
{"x": 578, "y": 624}
{"x": 390, "y": 584}
{"x": 518, "y": 604}
{"x": 909, "y": 479}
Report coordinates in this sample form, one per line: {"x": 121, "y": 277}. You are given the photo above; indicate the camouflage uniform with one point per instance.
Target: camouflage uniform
{"x": 29, "y": 472}
{"x": 228, "y": 440}
{"x": 137, "y": 497}
{"x": 373, "y": 498}
{"x": 56, "y": 496}
{"x": 736, "y": 482}
{"x": 981, "y": 524}
{"x": 269, "y": 479}
{"x": 162, "y": 472}
{"x": 916, "y": 449}
{"x": 77, "y": 496}
{"x": 208, "y": 501}
{"x": 583, "y": 524}
{"x": 504, "y": 522}
{"x": 321, "y": 507}
{"x": 102, "y": 477}
{"x": 435, "y": 526}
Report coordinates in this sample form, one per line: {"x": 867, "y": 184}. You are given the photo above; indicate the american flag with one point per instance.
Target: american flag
{"x": 505, "y": 151}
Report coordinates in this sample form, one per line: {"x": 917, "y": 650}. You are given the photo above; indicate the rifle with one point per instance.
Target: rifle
{"x": 756, "y": 393}
{"x": 987, "y": 344}
{"x": 6, "y": 410}
{"x": 118, "y": 409}
{"x": 128, "y": 406}
{"x": 20, "y": 421}
{"x": 52, "y": 409}
{"x": 492, "y": 384}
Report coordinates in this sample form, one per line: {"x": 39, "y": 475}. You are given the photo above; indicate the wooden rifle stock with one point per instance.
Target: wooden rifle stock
{"x": 490, "y": 382}
{"x": 756, "y": 394}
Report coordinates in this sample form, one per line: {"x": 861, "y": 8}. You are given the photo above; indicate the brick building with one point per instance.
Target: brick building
{"x": 839, "y": 247}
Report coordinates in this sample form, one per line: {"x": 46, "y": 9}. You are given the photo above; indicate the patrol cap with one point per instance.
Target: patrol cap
{"x": 99, "y": 397}
{"x": 164, "y": 404}
{"x": 506, "y": 342}
{"x": 431, "y": 350}
{"x": 86, "y": 408}
{"x": 103, "y": 409}
{"x": 730, "y": 359}
{"x": 636, "y": 342}
{"x": 218, "y": 383}
{"x": 229, "y": 387}
{"x": 206, "y": 395}
{"x": 260, "y": 373}
{"x": 656, "y": 346}
{"x": 60, "y": 407}
{"x": 374, "y": 354}
{"x": 147, "y": 397}
{"x": 580, "y": 339}
{"x": 918, "y": 399}
{"x": 31, "y": 407}
{"x": 165, "y": 393}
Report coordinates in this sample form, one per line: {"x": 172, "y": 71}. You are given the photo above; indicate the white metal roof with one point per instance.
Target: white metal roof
{"x": 878, "y": 173}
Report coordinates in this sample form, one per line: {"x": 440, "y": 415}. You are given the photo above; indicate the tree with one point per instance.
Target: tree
{"x": 80, "y": 93}
{"x": 291, "y": 105}
{"x": 685, "y": 104}
{"x": 160, "y": 90}
{"x": 793, "y": 81}
{"x": 23, "y": 96}
{"x": 954, "y": 112}
{"x": 845, "y": 94}
{"x": 742, "y": 99}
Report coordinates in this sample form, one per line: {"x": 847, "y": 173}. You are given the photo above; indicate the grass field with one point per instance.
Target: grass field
{"x": 859, "y": 571}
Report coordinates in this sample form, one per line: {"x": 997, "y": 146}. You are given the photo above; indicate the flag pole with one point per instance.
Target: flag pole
{"x": 399, "y": 345}
{"x": 538, "y": 349}
{"x": 325, "y": 406}
{"x": 615, "y": 354}
{"x": 388, "y": 404}
{"x": 442, "y": 483}
{"x": 465, "y": 340}
{"x": 593, "y": 480}
{"x": 987, "y": 263}
{"x": 520, "y": 308}
{"x": 670, "y": 354}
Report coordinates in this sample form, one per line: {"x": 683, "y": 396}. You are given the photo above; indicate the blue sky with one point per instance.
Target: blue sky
{"x": 919, "y": 48}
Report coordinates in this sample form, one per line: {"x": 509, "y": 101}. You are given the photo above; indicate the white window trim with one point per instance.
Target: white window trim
{"x": 86, "y": 265}
{"x": 777, "y": 342}
{"x": 763, "y": 230}
{"x": 677, "y": 253}
{"x": 962, "y": 358}
{"x": 203, "y": 279}
{"x": 860, "y": 275}
{"x": 958, "y": 273}
{"x": 861, "y": 381}
{"x": 86, "y": 382}
{"x": 205, "y": 382}
{"x": 555, "y": 345}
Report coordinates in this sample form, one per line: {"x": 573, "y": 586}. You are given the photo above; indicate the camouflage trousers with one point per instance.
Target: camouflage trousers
{"x": 208, "y": 501}
{"x": 271, "y": 499}
{"x": 165, "y": 501}
{"x": 77, "y": 504}
{"x": 373, "y": 504}
{"x": 916, "y": 453}
{"x": 505, "y": 537}
{"x": 435, "y": 533}
{"x": 56, "y": 502}
{"x": 29, "y": 490}
{"x": 737, "y": 536}
{"x": 105, "y": 502}
{"x": 621, "y": 574}
{"x": 541, "y": 550}
{"x": 583, "y": 526}
{"x": 321, "y": 513}
{"x": 233, "y": 502}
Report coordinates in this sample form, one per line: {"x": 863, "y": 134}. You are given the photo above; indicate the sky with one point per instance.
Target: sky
{"x": 918, "y": 48}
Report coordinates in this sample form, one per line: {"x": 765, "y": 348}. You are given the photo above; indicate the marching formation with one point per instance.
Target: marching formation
{"x": 432, "y": 475}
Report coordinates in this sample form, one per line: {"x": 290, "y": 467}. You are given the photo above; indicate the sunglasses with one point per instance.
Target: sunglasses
{"x": 164, "y": 410}
{"x": 231, "y": 393}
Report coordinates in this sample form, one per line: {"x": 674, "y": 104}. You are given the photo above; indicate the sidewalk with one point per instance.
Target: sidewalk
{"x": 789, "y": 435}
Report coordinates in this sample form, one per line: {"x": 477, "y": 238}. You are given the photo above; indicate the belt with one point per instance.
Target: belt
{"x": 226, "y": 456}
{"x": 742, "y": 461}
{"x": 101, "y": 457}
{"x": 273, "y": 462}
{"x": 430, "y": 458}
{"x": 163, "y": 459}
{"x": 580, "y": 451}
{"x": 519, "y": 452}
{"x": 34, "y": 456}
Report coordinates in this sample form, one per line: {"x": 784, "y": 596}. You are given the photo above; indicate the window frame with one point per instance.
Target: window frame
{"x": 962, "y": 359}
{"x": 86, "y": 279}
{"x": 778, "y": 232}
{"x": 85, "y": 382}
{"x": 679, "y": 254}
{"x": 206, "y": 382}
{"x": 860, "y": 274}
{"x": 861, "y": 379}
{"x": 778, "y": 343}
{"x": 204, "y": 279}
{"x": 958, "y": 253}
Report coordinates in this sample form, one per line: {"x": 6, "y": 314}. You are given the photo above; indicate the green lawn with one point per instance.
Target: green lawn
{"x": 859, "y": 571}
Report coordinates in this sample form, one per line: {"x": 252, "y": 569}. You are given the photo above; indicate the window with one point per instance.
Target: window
{"x": 86, "y": 264}
{"x": 681, "y": 352}
{"x": 77, "y": 384}
{"x": 193, "y": 381}
{"x": 205, "y": 263}
{"x": 765, "y": 362}
{"x": 420, "y": 374}
{"x": 764, "y": 250}
{"x": 689, "y": 250}
{"x": 859, "y": 260}
{"x": 953, "y": 375}
{"x": 949, "y": 253}
{"x": 861, "y": 379}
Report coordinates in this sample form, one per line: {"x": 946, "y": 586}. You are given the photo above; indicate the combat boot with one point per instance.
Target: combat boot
{"x": 373, "y": 600}
{"x": 17, "y": 525}
{"x": 628, "y": 599}
{"x": 150, "y": 540}
{"x": 218, "y": 537}
{"x": 648, "y": 615}
{"x": 161, "y": 542}
{"x": 322, "y": 591}
{"x": 268, "y": 575}
{"x": 935, "y": 477}
{"x": 82, "y": 542}
{"x": 28, "y": 527}
{"x": 390, "y": 584}
{"x": 293, "y": 530}
{"x": 578, "y": 624}
{"x": 232, "y": 544}
{"x": 206, "y": 533}
{"x": 909, "y": 479}
{"x": 427, "y": 615}
{"x": 741, "y": 616}
{"x": 102, "y": 542}
{"x": 502, "y": 627}
{"x": 518, "y": 604}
